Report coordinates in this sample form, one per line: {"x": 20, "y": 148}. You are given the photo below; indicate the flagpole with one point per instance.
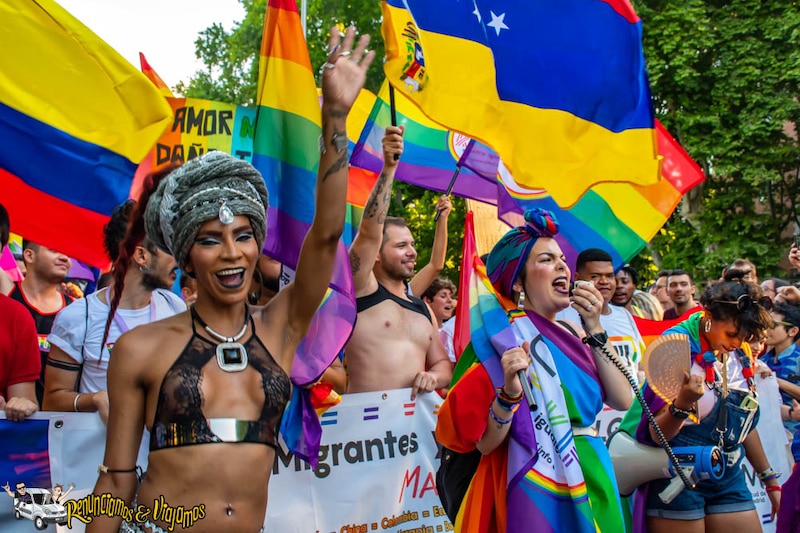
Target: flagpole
{"x": 449, "y": 188}
{"x": 393, "y": 111}
{"x": 304, "y": 16}
{"x": 460, "y": 162}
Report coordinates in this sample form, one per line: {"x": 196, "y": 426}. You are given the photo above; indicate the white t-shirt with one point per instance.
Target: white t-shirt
{"x": 446, "y": 334}
{"x": 70, "y": 334}
{"x": 622, "y": 332}
{"x": 736, "y": 381}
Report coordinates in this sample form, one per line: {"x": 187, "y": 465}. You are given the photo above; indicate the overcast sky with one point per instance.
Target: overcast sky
{"x": 164, "y": 30}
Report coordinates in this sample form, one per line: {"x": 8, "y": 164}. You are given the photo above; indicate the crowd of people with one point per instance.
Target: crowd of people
{"x": 212, "y": 366}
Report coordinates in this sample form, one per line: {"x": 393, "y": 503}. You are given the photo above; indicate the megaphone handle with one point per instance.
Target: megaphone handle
{"x": 674, "y": 488}
{"x": 526, "y": 389}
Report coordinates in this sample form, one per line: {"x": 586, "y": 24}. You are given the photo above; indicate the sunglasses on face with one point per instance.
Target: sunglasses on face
{"x": 745, "y": 303}
{"x": 776, "y": 323}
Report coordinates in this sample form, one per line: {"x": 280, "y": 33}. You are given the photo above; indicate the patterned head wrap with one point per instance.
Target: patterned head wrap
{"x": 214, "y": 185}
{"x": 507, "y": 258}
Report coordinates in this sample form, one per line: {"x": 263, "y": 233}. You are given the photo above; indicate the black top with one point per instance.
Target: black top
{"x": 179, "y": 418}
{"x": 412, "y": 304}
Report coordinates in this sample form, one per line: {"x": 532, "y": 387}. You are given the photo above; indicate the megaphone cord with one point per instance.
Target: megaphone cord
{"x": 650, "y": 417}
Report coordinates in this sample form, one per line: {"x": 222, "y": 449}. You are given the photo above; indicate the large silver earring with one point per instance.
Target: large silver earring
{"x": 707, "y": 327}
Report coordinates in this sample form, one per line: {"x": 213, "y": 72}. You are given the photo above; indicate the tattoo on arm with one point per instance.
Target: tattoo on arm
{"x": 338, "y": 165}
{"x": 378, "y": 203}
{"x": 355, "y": 263}
{"x": 336, "y": 113}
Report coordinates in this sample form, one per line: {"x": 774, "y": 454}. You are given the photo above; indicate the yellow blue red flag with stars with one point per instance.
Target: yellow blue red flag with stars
{"x": 558, "y": 89}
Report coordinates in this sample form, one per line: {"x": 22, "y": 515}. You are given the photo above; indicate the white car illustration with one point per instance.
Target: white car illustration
{"x": 42, "y": 509}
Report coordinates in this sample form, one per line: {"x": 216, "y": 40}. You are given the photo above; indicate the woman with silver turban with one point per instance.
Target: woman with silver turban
{"x": 211, "y": 384}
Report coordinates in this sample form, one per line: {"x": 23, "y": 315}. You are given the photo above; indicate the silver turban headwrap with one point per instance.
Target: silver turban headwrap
{"x": 214, "y": 185}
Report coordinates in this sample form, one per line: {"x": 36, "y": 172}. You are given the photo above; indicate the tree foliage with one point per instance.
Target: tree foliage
{"x": 724, "y": 78}
{"x": 231, "y": 57}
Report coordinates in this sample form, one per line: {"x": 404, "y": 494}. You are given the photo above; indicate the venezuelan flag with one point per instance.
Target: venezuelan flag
{"x": 286, "y": 151}
{"x": 619, "y": 218}
{"x": 75, "y": 120}
{"x": 430, "y": 153}
{"x": 558, "y": 89}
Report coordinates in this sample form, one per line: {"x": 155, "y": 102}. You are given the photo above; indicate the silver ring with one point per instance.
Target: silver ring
{"x": 590, "y": 306}
{"x": 346, "y": 53}
{"x": 326, "y": 66}
{"x": 594, "y": 302}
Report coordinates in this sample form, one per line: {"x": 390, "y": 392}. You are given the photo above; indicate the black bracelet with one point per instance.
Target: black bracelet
{"x": 680, "y": 414}
{"x": 597, "y": 340}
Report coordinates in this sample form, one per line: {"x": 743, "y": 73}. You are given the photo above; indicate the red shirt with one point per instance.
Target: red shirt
{"x": 19, "y": 345}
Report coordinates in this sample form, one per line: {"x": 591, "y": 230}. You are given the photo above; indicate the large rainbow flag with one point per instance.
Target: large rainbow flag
{"x": 431, "y": 152}
{"x": 558, "y": 89}
{"x": 75, "y": 119}
{"x": 286, "y": 152}
{"x": 202, "y": 125}
{"x": 619, "y": 218}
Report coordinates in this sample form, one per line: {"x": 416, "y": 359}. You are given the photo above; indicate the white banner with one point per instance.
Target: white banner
{"x": 376, "y": 473}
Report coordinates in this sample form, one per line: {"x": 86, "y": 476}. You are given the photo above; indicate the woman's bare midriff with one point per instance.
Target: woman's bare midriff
{"x": 226, "y": 483}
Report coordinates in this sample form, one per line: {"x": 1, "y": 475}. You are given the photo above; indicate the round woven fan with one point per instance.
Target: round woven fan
{"x": 664, "y": 363}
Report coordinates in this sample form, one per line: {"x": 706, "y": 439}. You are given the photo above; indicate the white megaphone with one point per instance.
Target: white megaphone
{"x": 635, "y": 464}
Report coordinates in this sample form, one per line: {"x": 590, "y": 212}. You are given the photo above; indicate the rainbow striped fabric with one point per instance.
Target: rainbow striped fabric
{"x": 75, "y": 119}
{"x": 619, "y": 218}
{"x": 558, "y": 89}
{"x": 286, "y": 152}
{"x": 430, "y": 153}
{"x": 544, "y": 480}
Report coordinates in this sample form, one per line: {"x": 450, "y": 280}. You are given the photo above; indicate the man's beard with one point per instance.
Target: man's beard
{"x": 150, "y": 281}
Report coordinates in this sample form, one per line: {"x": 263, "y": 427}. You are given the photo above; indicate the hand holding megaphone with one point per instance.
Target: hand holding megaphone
{"x": 515, "y": 372}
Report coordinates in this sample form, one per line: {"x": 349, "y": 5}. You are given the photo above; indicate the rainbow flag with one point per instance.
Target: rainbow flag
{"x": 75, "y": 119}
{"x": 202, "y": 125}
{"x": 286, "y": 151}
{"x": 430, "y": 153}
{"x": 619, "y": 218}
{"x": 359, "y": 185}
{"x": 558, "y": 89}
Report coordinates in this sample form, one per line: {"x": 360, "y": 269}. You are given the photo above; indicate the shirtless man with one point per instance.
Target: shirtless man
{"x": 395, "y": 343}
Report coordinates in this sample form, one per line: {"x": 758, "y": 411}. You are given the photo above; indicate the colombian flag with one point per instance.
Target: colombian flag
{"x": 75, "y": 120}
{"x": 558, "y": 89}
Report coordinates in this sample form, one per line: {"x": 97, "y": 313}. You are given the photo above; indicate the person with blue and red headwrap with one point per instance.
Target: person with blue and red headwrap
{"x": 543, "y": 468}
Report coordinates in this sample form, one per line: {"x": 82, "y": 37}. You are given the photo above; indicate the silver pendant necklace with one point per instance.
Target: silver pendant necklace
{"x": 231, "y": 354}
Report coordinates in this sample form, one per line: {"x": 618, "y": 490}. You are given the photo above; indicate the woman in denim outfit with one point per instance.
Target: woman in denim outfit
{"x": 733, "y": 313}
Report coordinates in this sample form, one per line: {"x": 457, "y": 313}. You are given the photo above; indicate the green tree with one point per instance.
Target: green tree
{"x": 725, "y": 77}
{"x": 231, "y": 58}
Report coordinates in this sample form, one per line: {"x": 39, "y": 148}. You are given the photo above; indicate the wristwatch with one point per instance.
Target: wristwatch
{"x": 597, "y": 340}
{"x": 680, "y": 414}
